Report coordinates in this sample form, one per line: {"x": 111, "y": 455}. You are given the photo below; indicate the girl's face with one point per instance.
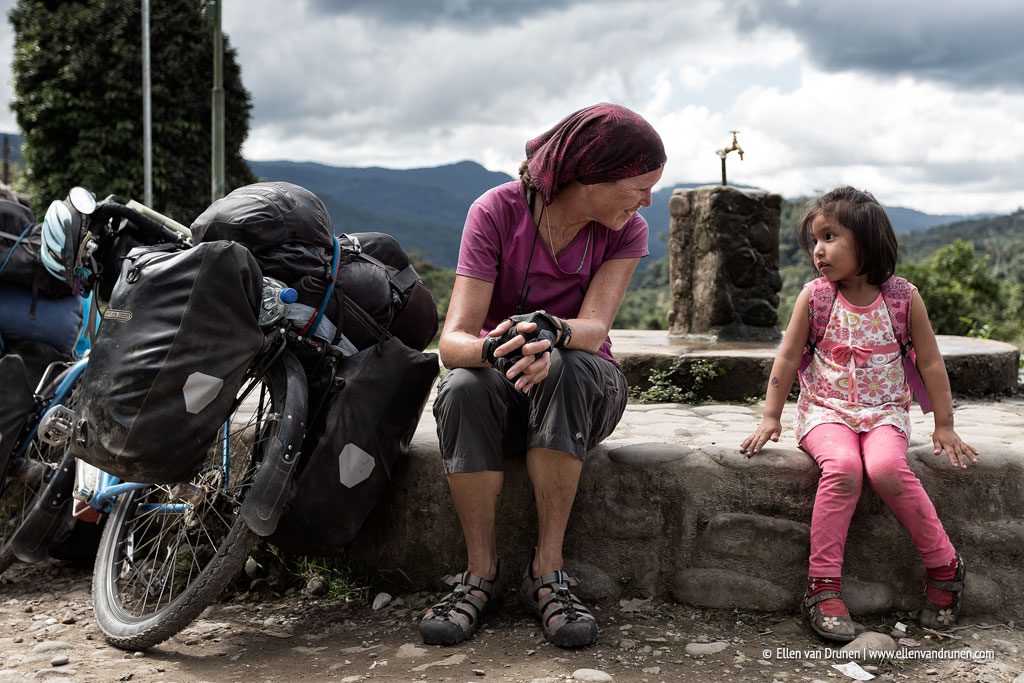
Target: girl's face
{"x": 833, "y": 252}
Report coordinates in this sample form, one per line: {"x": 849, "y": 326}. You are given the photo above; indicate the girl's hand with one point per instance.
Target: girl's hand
{"x": 769, "y": 429}
{"x": 958, "y": 452}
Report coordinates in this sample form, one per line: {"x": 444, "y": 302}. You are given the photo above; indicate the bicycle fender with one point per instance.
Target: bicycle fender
{"x": 31, "y": 542}
{"x": 5, "y": 460}
{"x": 264, "y": 505}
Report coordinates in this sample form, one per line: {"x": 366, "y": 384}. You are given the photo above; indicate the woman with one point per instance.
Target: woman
{"x": 564, "y": 239}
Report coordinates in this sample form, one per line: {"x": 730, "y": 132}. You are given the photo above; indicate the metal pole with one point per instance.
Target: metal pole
{"x": 723, "y": 171}
{"x": 217, "y": 106}
{"x": 147, "y": 112}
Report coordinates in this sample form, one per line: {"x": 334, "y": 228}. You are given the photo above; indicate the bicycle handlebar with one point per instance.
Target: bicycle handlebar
{"x": 159, "y": 218}
{"x": 146, "y": 224}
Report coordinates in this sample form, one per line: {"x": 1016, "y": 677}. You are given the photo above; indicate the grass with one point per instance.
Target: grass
{"x": 667, "y": 385}
{"x": 280, "y": 573}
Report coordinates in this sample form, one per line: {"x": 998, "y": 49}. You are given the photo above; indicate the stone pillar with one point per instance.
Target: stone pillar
{"x": 723, "y": 257}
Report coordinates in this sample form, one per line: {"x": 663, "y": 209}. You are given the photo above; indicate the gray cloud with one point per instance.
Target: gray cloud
{"x": 969, "y": 45}
{"x": 432, "y": 12}
{"x": 374, "y": 80}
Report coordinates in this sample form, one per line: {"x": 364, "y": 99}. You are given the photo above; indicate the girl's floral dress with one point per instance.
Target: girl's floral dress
{"x": 856, "y": 375}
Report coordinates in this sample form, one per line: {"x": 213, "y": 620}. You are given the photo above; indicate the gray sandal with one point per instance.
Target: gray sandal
{"x": 460, "y": 613}
{"x": 837, "y": 627}
{"x": 563, "y": 618}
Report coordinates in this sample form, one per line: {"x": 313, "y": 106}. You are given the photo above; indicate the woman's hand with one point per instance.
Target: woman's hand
{"x": 769, "y": 430}
{"x": 533, "y": 367}
{"x": 958, "y": 452}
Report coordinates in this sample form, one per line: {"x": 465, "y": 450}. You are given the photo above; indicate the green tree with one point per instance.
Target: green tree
{"x": 78, "y": 99}
{"x": 438, "y": 280}
{"x": 962, "y": 294}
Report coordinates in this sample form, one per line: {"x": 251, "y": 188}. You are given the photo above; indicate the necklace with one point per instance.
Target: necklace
{"x": 551, "y": 246}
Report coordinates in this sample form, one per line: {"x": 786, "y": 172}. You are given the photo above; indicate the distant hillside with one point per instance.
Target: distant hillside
{"x": 904, "y": 220}
{"x": 909, "y": 220}
{"x": 424, "y": 208}
{"x": 15, "y": 141}
{"x": 999, "y": 237}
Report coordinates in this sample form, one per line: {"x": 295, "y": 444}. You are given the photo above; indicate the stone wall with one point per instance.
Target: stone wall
{"x": 703, "y": 524}
{"x": 724, "y": 263}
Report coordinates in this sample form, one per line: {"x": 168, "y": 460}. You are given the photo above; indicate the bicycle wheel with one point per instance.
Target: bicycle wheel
{"x": 169, "y": 550}
{"x": 27, "y": 479}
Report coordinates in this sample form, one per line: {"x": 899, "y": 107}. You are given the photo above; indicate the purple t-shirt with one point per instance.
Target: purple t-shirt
{"x": 496, "y": 245}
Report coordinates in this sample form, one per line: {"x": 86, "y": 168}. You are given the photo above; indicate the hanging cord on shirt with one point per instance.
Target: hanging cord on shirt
{"x": 524, "y": 291}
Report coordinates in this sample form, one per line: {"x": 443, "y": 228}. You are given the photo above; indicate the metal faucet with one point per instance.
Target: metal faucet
{"x": 722, "y": 153}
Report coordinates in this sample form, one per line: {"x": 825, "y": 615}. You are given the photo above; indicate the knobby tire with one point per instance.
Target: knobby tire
{"x": 139, "y": 632}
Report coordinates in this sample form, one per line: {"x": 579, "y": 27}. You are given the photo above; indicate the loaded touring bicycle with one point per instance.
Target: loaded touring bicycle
{"x": 216, "y": 394}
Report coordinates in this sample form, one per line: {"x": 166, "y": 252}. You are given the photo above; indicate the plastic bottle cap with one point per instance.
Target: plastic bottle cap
{"x": 288, "y": 295}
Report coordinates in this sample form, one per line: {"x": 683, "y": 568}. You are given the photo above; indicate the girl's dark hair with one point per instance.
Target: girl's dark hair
{"x": 861, "y": 214}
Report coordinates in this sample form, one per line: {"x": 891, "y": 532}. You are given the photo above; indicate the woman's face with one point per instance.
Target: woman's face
{"x": 612, "y": 204}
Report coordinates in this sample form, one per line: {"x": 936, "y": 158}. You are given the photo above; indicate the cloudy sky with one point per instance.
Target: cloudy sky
{"x": 921, "y": 102}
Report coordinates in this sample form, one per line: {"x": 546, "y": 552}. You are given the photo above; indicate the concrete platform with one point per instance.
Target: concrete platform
{"x": 668, "y": 506}
{"x": 976, "y": 367}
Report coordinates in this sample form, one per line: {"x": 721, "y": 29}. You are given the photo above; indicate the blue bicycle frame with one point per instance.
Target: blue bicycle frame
{"x": 108, "y": 486}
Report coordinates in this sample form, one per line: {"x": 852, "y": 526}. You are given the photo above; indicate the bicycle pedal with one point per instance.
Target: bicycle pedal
{"x": 56, "y": 425}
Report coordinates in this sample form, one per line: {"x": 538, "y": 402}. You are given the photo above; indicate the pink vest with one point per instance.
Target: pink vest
{"x": 896, "y": 294}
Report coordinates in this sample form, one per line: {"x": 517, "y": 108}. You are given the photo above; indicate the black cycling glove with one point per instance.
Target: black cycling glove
{"x": 547, "y": 328}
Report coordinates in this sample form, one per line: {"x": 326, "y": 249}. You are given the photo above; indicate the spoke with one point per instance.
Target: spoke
{"x": 170, "y": 563}
{"x": 140, "y": 528}
{"x": 167, "y": 556}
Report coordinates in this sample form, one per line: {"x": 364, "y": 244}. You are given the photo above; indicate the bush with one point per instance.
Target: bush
{"x": 963, "y": 296}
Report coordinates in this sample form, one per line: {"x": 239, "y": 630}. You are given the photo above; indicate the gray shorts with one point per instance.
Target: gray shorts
{"x": 481, "y": 417}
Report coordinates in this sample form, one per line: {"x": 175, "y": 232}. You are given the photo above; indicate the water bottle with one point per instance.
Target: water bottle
{"x": 276, "y": 298}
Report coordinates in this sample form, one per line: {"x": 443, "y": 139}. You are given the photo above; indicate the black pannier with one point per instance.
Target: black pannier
{"x": 16, "y": 403}
{"x": 177, "y": 337}
{"x": 355, "y": 453}
{"x": 36, "y": 356}
{"x": 376, "y": 274}
{"x": 288, "y": 230}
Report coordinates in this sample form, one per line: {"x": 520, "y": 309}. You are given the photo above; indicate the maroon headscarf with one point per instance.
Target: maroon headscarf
{"x": 598, "y": 144}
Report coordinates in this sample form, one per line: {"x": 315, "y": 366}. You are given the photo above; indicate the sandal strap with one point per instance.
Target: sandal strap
{"x": 473, "y": 581}
{"x": 952, "y": 586}
{"x": 563, "y": 598}
{"x": 812, "y": 600}
{"x": 461, "y": 605}
{"x": 561, "y": 607}
{"x": 553, "y": 580}
{"x": 958, "y": 582}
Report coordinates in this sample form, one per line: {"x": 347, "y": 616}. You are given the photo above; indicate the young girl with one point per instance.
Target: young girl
{"x": 853, "y": 330}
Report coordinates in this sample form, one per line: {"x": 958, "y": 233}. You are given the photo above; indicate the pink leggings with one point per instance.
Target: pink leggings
{"x": 845, "y": 457}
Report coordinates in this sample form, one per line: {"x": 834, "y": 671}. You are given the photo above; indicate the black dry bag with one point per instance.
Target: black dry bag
{"x": 20, "y": 243}
{"x": 288, "y": 230}
{"x": 176, "y": 340}
{"x": 15, "y": 403}
{"x": 376, "y": 275}
{"x": 364, "y": 441}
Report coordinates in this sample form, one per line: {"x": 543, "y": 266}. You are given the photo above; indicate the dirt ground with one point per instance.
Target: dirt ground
{"x": 47, "y": 633}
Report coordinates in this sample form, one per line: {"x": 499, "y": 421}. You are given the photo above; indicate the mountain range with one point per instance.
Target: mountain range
{"x": 425, "y": 208}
